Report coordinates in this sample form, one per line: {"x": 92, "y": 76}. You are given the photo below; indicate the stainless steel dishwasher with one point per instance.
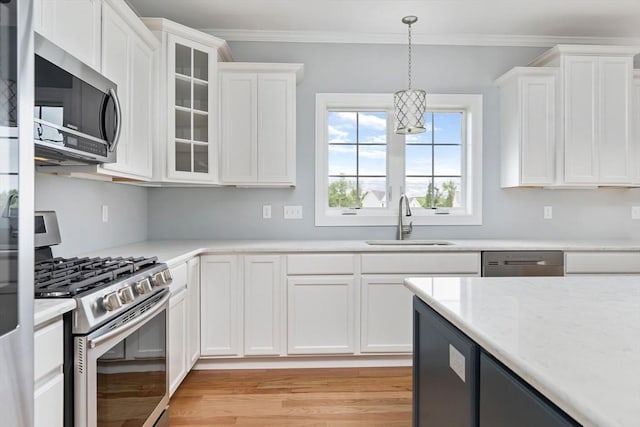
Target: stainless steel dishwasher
{"x": 522, "y": 263}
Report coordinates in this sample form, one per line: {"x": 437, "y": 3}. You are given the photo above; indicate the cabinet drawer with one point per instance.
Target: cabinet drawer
{"x": 320, "y": 264}
{"x": 602, "y": 262}
{"x": 421, "y": 263}
{"x": 179, "y": 274}
{"x": 48, "y": 349}
{"x": 48, "y": 403}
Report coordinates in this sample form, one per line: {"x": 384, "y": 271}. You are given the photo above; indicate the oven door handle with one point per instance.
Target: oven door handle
{"x": 160, "y": 305}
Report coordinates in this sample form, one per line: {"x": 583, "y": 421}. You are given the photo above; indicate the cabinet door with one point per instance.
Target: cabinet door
{"x": 581, "y": 111}
{"x": 263, "y": 282}
{"x": 192, "y": 116}
{"x": 139, "y": 154}
{"x": 538, "y": 130}
{"x": 636, "y": 128}
{"x": 614, "y": 126}
{"x": 320, "y": 315}
{"x": 116, "y": 66}
{"x": 386, "y": 315}
{"x": 445, "y": 378}
{"x": 276, "y": 128}
{"x": 193, "y": 312}
{"x": 525, "y": 407}
{"x": 220, "y": 306}
{"x": 177, "y": 340}
{"x": 74, "y": 25}
{"x": 239, "y": 132}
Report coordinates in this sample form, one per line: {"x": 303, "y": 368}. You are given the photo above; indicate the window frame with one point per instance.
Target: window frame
{"x": 471, "y": 159}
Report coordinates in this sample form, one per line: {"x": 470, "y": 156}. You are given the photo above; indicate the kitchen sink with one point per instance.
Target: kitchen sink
{"x": 408, "y": 242}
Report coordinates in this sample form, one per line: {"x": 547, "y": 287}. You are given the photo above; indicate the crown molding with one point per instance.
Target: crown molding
{"x": 418, "y": 39}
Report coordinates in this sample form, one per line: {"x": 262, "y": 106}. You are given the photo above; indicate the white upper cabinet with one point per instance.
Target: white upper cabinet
{"x": 258, "y": 123}
{"x": 528, "y": 134}
{"x": 74, "y": 25}
{"x": 127, "y": 59}
{"x": 597, "y": 117}
{"x": 187, "y": 144}
{"x": 593, "y": 119}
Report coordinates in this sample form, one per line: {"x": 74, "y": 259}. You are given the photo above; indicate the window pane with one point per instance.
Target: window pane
{"x": 418, "y": 160}
{"x": 183, "y": 60}
{"x": 343, "y": 193}
{"x": 448, "y": 191}
{"x": 447, "y": 160}
{"x": 372, "y": 160}
{"x": 372, "y": 191}
{"x": 201, "y": 158}
{"x": 342, "y": 160}
{"x": 372, "y": 127}
{"x": 416, "y": 191}
{"x": 448, "y": 128}
{"x": 342, "y": 127}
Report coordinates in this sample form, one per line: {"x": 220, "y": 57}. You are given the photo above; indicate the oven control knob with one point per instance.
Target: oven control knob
{"x": 167, "y": 276}
{"x": 126, "y": 295}
{"x": 111, "y": 301}
{"x": 143, "y": 286}
{"x": 157, "y": 280}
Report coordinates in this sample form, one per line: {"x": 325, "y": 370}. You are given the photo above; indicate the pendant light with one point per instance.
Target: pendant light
{"x": 409, "y": 104}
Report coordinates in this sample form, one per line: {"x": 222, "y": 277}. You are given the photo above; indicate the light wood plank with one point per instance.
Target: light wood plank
{"x": 336, "y": 397}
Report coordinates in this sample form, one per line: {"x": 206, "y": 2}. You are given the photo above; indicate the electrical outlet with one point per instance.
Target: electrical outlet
{"x": 266, "y": 211}
{"x": 292, "y": 212}
{"x": 635, "y": 212}
{"x": 548, "y": 212}
{"x": 105, "y": 213}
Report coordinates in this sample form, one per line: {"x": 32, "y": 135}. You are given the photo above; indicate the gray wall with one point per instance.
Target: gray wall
{"x": 230, "y": 213}
{"x": 78, "y": 203}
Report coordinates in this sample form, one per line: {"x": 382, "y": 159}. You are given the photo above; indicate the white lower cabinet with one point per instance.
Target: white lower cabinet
{"x": 48, "y": 374}
{"x": 193, "y": 312}
{"x": 263, "y": 305}
{"x": 386, "y": 319}
{"x": 177, "y": 340}
{"x": 602, "y": 262}
{"x": 320, "y": 314}
{"x": 220, "y": 305}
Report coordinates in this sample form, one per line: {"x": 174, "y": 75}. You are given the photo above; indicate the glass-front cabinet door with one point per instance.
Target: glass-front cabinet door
{"x": 192, "y": 144}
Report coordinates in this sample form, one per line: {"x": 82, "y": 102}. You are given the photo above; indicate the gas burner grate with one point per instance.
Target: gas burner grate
{"x": 67, "y": 277}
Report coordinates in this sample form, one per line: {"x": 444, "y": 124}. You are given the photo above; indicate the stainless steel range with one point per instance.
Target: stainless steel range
{"x": 116, "y": 369}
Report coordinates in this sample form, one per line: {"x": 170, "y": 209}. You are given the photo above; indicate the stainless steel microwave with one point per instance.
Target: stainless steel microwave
{"x": 77, "y": 116}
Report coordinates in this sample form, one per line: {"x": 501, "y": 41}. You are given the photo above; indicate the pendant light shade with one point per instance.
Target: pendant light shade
{"x": 409, "y": 104}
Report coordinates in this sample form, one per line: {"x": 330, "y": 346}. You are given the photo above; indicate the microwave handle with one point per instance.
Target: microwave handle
{"x": 116, "y": 102}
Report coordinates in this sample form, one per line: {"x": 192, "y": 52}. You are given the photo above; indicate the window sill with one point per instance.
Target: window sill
{"x": 324, "y": 220}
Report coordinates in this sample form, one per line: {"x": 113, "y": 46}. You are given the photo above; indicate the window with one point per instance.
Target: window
{"x": 362, "y": 166}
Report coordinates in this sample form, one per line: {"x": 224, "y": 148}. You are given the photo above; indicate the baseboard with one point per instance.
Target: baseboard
{"x": 304, "y": 362}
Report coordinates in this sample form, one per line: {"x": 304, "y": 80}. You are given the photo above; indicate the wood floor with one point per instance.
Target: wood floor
{"x": 294, "y": 397}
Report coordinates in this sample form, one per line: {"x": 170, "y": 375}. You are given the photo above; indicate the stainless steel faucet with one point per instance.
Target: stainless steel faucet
{"x": 403, "y": 230}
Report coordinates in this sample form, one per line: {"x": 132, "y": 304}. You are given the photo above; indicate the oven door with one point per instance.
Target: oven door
{"x": 121, "y": 369}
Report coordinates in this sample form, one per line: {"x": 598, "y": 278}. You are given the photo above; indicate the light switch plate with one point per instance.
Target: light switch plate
{"x": 635, "y": 212}
{"x": 548, "y": 212}
{"x": 266, "y": 211}
{"x": 105, "y": 213}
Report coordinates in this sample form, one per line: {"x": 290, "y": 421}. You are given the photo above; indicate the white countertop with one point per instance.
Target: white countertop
{"x": 576, "y": 340}
{"x": 46, "y": 309}
{"x": 175, "y": 251}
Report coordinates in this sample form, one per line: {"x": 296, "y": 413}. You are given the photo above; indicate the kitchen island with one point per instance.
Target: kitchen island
{"x": 575, "y": 341}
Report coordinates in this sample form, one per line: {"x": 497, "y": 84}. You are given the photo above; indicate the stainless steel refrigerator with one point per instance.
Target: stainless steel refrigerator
{"x": 16, "y": 213}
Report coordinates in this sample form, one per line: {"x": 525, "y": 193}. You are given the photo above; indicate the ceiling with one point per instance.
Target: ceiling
{"x": 458, "y": 22}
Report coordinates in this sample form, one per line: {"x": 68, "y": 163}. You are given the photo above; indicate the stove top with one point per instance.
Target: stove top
{"x": 103, "y": 288}
{"x": 71, "y": 277}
